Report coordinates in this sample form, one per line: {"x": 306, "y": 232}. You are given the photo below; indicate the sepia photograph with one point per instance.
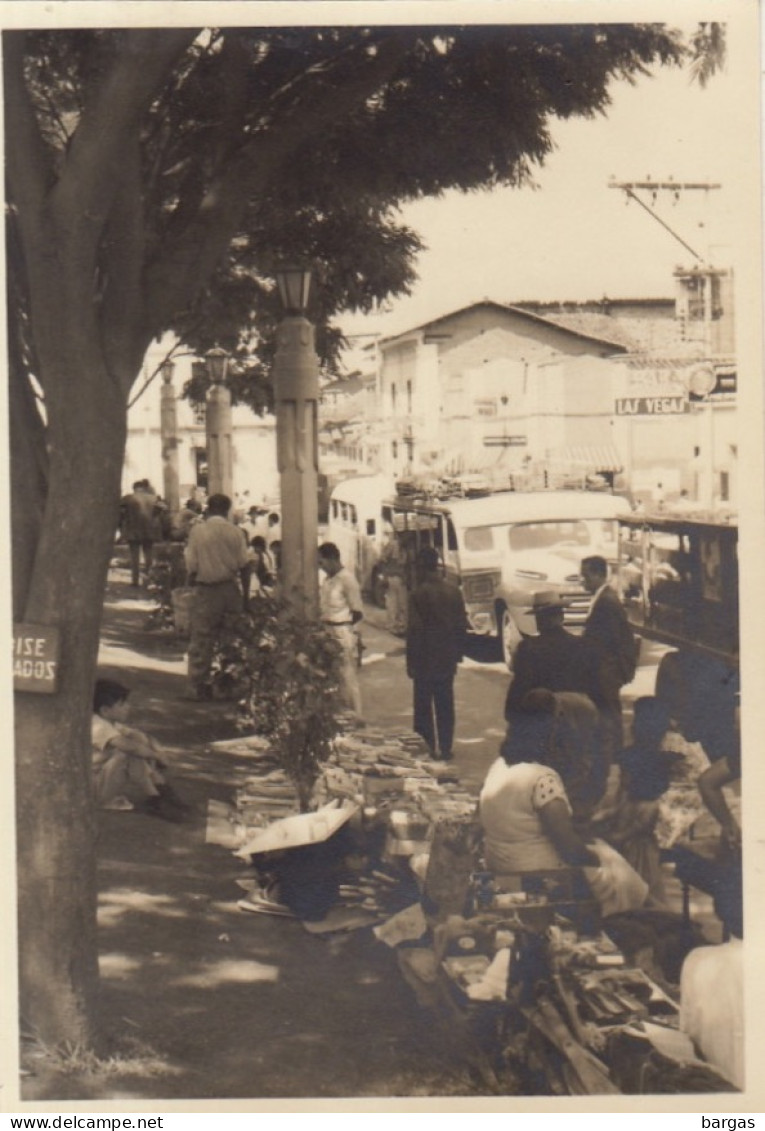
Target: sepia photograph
{"x": 384, "y": 403}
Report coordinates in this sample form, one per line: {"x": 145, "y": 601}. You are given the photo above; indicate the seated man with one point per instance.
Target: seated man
{"x": 128, "y": 770}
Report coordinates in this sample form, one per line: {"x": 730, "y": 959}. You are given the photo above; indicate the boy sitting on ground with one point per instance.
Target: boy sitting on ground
{"x": 128, "y": 770}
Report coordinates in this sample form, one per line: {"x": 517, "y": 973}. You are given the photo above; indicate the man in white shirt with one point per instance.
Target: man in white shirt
{"x": 217, "y": 561}
{"x": 341, "y": 608}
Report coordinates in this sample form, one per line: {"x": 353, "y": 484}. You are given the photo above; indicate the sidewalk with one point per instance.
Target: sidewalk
{"x": 203, "y": 1000}
{"x": 200, "y": 998}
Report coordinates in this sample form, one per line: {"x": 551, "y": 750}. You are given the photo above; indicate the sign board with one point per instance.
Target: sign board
{"x": 651, "y": 406}
{"x": 485, "y": 406}
{"x": 505, "y": 441}
{"x": 35, "y": 658}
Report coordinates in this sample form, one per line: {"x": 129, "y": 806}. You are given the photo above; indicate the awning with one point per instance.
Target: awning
{"x": 589, "y": 458}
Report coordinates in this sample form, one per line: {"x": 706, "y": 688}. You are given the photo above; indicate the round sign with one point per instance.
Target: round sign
{"x": 702, "y": 380}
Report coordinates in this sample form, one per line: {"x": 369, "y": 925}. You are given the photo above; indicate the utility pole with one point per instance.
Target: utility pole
{"x": 701, "y": 277}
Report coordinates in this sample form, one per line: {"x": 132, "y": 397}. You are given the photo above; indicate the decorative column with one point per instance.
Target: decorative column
{"x": 220, "y": 462}
{"x": 168, "y": 427}
{"x": 296, "y": 387}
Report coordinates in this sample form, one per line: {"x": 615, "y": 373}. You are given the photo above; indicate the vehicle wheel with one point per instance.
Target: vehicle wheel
{"x": 379, "y": 587}
{"x": 510, "y": 636}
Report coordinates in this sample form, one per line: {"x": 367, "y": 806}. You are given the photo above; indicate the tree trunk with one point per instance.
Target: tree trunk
{"x": 55, "y": 817}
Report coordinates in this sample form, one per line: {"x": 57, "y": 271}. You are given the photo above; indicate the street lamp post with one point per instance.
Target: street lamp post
{"x": 220, "y": 475}
{"x": 296, "y": 388}
{"x": 168, "y": 427}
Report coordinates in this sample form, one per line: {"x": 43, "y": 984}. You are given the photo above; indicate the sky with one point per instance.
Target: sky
{"x": 573, "y": 237}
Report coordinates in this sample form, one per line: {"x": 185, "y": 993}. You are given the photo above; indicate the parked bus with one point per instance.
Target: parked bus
{"x": 503, "y": 548}
{"x": 356, "y": 525}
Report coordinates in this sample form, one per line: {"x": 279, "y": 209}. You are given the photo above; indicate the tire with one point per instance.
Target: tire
{"x": 509, "y": 636}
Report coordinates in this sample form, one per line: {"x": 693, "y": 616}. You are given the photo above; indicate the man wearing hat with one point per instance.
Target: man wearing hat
{"x": 555, "y": 659}
{"x": 561, "y": 663}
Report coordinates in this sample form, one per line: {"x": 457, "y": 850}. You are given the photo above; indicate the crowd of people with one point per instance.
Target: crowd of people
{"x": 565, "y": 791}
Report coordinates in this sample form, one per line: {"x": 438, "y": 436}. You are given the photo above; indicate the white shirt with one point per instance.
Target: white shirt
{"x": 216, "y": 550}
{"x": 712, "y": 1006}
{"x": 339, "y": 597}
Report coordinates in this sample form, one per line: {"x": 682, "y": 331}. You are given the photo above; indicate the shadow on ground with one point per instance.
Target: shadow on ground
{"x": 203, "y": 1000}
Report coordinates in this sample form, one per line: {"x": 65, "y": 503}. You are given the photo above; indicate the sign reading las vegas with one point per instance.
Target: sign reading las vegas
{"x": 651, "y": 406}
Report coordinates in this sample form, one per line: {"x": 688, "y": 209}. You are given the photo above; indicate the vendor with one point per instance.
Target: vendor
{"x": 526, "y": 814}
{"x": 711, "y": 990}
{"x": 524, "y": 809}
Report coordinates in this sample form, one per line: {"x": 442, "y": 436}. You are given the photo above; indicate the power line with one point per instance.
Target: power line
{"x": 631, "y": 188}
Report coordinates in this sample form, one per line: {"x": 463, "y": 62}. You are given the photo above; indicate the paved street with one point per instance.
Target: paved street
{"x": 480, "y": 690}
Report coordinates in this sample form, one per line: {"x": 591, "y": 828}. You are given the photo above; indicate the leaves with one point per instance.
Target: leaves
{"x": 285, "y": 671}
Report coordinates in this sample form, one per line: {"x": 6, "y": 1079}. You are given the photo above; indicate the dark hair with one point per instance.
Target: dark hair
{"x": 428, "y": 559}
{"x": 258, "y": 542}
{"x": 650, "y": 722}
{"x": 107, "y": 692}
{"x": 329, "y": 550}
{"x": 595, "y": 564}
{"x": 219, "y": 504}
{"x": 530, "y": 730}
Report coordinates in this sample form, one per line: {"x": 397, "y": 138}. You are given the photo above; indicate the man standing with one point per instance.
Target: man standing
{"x": 560, "y": 662}
{"x": 216, "y": 555}
{"x": 139, "y": 526}
{"x": 614, "y": 651}
{"x": 341, "y": 608}
{"x": 394, "y": 571}
{"x": 555, "y": 659}
{"x": 435, "y": 640}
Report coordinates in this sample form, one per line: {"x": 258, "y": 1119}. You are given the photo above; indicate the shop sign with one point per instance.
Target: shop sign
{"x": 651, "y": 406}
{"x": 35, "y": 658}
{"x": 486, "y": 406}
{"x": 505, "y": 441}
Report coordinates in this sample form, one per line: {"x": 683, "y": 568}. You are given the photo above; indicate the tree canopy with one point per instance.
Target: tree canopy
{"x": 154, "y": 178}
{"x": 264, "y": 144}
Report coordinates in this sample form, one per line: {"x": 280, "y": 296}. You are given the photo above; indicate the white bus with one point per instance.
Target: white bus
{"x": 355, "y": 524}
{"x": 505, "y": 547}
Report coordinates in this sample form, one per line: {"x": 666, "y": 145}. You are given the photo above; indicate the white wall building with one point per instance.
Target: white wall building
{"x": 255, "y": 474}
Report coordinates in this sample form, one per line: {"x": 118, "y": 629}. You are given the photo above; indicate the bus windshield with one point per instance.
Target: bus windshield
{"x": 583, "y": 533}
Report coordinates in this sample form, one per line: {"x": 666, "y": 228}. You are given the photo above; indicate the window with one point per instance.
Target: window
{"x": 335, "y": 508}
{"x": 544, "y": 535}
{"x": 344, "y": 511}
{"x": 371, "y": 528}
{"x": 200, "y": 412}
{"x": 394, "y": 449}
{"x": 479, "y": 538}
{"x": 393, "y": 398}
{"x": 352, "y": 515}
{"x": 409, "y": 397}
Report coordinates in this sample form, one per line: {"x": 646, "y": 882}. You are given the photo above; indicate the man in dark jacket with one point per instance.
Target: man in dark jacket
{"x": 607, "y": 633}
{"x": 435, "y": 638}
{"x": 555, "y": 659}
{"x": 561, "y": 663}
{"x": 140, "y": 526}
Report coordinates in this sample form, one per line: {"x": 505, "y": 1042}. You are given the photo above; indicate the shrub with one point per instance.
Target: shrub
{"x": 285, "y": 671}
{"x": 168, "y": 572}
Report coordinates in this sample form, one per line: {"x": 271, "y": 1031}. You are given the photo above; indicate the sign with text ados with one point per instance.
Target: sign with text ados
{"x": 35, "y": 658}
